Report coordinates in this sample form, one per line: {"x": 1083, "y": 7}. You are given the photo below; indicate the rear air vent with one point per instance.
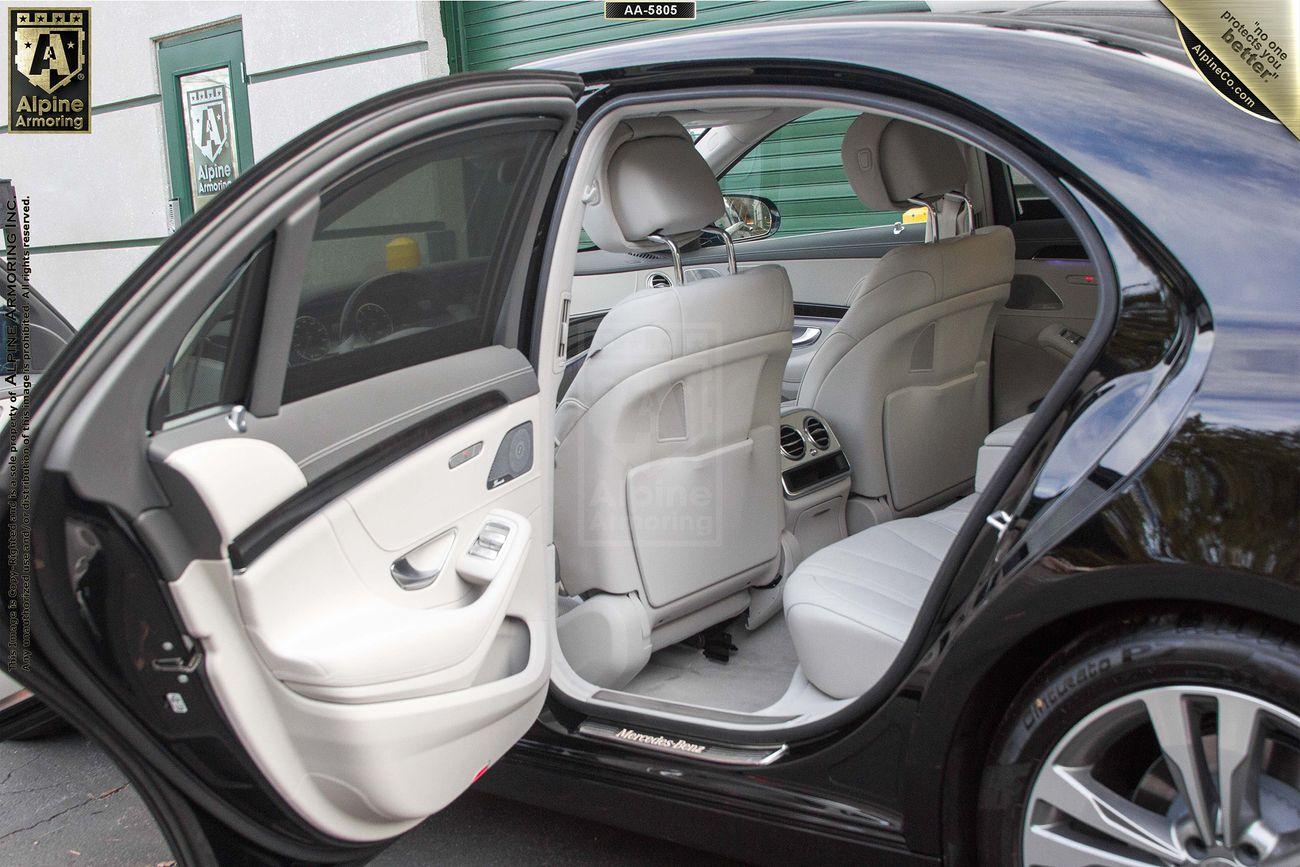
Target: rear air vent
{"x": 791, "y": 443}
{"x": 817, "y": 433}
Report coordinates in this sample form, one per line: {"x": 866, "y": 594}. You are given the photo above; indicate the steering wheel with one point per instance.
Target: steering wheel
{"x": 396, "y": 283}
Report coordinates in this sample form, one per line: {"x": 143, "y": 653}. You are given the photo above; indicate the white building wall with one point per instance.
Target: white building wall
{"x": 99, "y": 201}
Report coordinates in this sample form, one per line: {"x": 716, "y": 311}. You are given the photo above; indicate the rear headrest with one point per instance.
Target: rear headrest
{"x": 653, "y": 182}
{"x": 889, "y": 162}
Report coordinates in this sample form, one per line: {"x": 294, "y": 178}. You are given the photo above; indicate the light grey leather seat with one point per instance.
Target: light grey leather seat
{"x": 904, "y": 377}
{"x": 851, "y": 605}
{"x": 667, "y": 485}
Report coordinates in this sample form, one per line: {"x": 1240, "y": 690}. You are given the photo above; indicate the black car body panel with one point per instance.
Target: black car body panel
{"x": 1196, "y": 500}
{"x": 1208, "y": 514}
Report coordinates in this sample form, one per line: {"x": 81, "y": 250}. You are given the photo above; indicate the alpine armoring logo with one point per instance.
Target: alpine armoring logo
{"x": 49, "y": 75}
{"x": 1246, "y": 51}
{"x": 1216, "y": 72}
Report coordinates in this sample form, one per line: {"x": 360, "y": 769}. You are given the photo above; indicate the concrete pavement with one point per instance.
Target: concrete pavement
{"x": 63, "y": 802}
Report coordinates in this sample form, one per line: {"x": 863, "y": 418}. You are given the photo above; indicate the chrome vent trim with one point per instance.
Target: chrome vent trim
{"x": 817, "y": 432}
{"x": 659, "y": 281}
{"x": 791, "y": 443}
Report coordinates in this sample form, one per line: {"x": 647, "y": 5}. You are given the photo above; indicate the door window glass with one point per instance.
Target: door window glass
{"x": 411, "y": 258}
{"x": 798, "y": 167}
{"x": 211, "y": 366}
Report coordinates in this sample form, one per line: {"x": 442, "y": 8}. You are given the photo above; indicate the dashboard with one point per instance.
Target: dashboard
{"x": 386, "y": 307}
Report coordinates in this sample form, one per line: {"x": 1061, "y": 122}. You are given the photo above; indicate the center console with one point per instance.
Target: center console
{"x": 814, "y": 480}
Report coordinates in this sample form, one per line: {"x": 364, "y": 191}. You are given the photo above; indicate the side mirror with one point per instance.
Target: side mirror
{"x": 747, "y": 218}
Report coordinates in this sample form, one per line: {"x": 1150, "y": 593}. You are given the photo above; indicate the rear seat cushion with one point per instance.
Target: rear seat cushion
{"x": 851, "y": 605}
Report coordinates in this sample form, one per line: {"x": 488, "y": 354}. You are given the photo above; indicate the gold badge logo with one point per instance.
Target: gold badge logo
{"x": 49, "y": 81}
{"x": 1246, "y": 50}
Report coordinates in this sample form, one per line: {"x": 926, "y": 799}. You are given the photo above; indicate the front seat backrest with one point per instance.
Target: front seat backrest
{"x": 904, "y": 377}
{"x": 667, "y": 470}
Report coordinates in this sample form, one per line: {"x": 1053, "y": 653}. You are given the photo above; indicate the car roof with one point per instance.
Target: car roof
{"x": 1106, "y": 107}
{"x": 1142, "y": 24}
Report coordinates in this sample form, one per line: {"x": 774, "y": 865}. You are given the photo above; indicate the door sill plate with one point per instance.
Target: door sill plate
{"x": 675, "y": 746}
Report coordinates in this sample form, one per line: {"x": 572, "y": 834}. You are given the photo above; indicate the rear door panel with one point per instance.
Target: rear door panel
{"x": 1054, "y": 299}
{"x": 354, "y": 558}
{"x": 405, "y": 695}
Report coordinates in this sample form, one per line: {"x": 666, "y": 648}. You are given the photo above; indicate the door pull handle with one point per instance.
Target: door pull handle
{"x": 421, "y": 567}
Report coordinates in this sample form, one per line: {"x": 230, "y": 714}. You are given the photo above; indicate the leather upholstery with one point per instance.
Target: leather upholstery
{"x": 653, "y": 183}
{"x": 667, "y": 468}
{"x": 890, "y": 162}
{"x": 904, "y": 377}
{"x": 917, "y": 162}
{"x": 851, "y": 605}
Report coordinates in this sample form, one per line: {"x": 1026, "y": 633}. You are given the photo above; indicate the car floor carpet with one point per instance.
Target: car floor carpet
{"x": 757, "y": 674}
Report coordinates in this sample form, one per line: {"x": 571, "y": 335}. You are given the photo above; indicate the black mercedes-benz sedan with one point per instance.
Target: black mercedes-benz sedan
{"x": 529, "y": 430}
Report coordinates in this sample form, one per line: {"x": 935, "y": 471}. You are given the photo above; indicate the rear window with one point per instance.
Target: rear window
{"x": 799, "y": 168}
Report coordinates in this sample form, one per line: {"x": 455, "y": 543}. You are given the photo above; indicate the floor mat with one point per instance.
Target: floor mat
{"x": 756, "y": 676}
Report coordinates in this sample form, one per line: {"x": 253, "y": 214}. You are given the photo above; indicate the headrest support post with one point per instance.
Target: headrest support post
{"x": 726, "y": 242}
{"x": 677, "y": 255}
{"x": 931, "y": 219}
{"x": 966, "y": 208}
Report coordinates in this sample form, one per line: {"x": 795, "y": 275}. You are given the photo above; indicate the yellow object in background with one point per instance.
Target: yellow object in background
{"x": 403, "y": 253}
{"x": 914, "y": 215}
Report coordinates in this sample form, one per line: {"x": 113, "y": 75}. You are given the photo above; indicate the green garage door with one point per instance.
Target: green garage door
{"x": 499, "y": 35}
{"x": 799, "y": 167}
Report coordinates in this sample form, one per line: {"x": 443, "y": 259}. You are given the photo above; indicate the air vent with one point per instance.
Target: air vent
{"x": 818, "y": 433}
{"x": 791, "y": 443}
{"x": 659, "y": 281}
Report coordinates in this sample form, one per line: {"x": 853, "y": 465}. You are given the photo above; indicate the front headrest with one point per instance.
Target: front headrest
{"x": 890, "y": 162}
{"x": 653, "y": 182}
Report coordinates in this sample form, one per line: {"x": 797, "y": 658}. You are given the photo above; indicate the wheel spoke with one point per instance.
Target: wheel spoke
{"x": 1075, "y": 792}
{"x": 1239, "y": 762}
{"x": 1058, "y": 846}
{"x": 1174, "y": 722}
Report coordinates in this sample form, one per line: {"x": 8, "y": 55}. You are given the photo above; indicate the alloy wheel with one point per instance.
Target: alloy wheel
{"x": 1175, "y": 775}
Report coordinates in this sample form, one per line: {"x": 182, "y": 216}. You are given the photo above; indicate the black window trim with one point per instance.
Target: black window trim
{"x": 284, "y": 518}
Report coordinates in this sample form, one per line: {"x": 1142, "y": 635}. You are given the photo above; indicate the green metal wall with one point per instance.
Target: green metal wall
{"x": 798, "y": 167}
{"x": 496, "y": 35}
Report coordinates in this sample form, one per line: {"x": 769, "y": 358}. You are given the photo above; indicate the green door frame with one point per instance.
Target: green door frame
{"x": 211, "y": 48}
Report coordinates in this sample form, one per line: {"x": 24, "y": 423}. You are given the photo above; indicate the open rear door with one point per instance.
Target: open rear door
{"x": 290, "y": 512}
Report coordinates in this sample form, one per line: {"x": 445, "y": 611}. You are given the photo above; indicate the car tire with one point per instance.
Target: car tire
{"x": 1114, "y": 683}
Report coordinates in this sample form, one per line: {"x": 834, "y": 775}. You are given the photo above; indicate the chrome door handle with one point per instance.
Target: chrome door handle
{"x": 806, "y": 335}
{"x": 421, "y": 567}
{"x": 410, "y": 578}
